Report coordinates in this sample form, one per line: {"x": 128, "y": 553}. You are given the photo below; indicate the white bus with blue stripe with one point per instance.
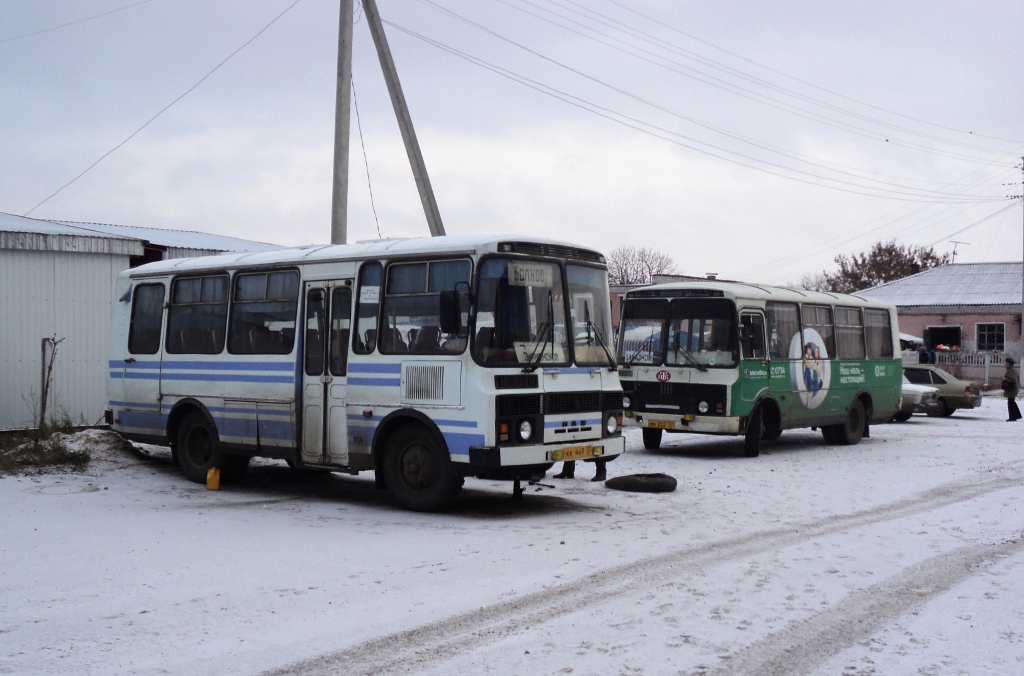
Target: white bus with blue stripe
{"x": 425, "y": 360}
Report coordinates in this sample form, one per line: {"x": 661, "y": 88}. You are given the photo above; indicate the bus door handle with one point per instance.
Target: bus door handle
{"x": 129, "y": 360}
{"x": 325, "y": 379}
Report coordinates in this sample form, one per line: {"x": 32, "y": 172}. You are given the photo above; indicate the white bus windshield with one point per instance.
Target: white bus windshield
{"x": 590, "y": 312}
{"x": 643, "y": 323}
{"x": 520, "y": 314}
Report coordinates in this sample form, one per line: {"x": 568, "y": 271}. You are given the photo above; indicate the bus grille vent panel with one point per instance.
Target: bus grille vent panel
{"x": 573, "y": 402}
{"x": 424, "y": 383}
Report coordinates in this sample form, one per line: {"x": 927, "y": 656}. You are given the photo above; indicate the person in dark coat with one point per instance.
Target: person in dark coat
{"x": 1011, "y": 385}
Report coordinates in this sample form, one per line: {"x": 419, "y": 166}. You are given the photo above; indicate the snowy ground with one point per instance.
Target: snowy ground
{"x": 899, "y": 555}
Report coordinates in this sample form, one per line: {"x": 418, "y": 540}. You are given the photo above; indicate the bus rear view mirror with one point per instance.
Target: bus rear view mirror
{"x": 451, "y": 318}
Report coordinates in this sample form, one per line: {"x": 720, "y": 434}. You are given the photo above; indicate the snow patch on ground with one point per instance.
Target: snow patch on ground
{"x": 807, "y": 559}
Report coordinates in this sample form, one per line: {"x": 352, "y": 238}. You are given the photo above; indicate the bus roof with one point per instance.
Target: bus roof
{"x": 383, "y": 248}
{"x": 752, "y": 291}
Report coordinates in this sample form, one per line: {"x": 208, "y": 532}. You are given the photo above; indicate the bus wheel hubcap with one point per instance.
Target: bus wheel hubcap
{"x": 418, "y": 467}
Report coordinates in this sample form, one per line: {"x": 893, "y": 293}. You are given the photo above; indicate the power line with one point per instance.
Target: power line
{"x": 796, "y": 79}
{"x": 666, "y": 135}
{"x": 746, "y": 93}
{"x": 73, "y": 23}
{"x": 366, "y": 161}
{"x": 164, "y": 109}
{"x": 753, "y": 142}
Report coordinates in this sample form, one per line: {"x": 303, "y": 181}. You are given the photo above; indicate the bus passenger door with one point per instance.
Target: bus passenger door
{"x": 315, "y": 380}
{"x": 754, "y": 368}
{"x": 337, "y": 372}
{"x": 324, "y": 367}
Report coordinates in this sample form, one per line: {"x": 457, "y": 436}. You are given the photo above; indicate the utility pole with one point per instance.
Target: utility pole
{"x": 412, "y": 146}
{"x": 954, "y": 243}
{"x": 342, "y": 121}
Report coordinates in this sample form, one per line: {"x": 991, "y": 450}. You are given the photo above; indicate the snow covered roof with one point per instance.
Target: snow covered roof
{"x": 384, "y": 248}
{"x": 30, "y": 234}
{"x": 954, "y": 284}
{"x": 176, "y": 239}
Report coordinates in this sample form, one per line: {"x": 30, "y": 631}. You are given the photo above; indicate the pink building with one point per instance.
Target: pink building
{"x": 973, "y": 306}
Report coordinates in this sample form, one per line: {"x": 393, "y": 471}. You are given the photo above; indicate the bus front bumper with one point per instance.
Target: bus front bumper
{"x": 703, "y": 424}
{"x": 492, "y": 457}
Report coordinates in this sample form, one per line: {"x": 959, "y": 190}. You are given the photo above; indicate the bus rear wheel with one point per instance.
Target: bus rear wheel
{"x": 198, "y": 451}
{"x": 852, "y": 431}
{"x": 755, "y": 431}
{"x": 419, "y": 472}
{"x": 652, "y": 438}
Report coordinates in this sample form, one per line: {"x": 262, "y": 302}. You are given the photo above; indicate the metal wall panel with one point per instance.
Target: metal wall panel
{"x": 47, "y": 293}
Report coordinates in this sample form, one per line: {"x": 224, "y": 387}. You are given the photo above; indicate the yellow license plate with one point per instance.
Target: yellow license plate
{"x": 577, "y": 452}
{"x": 661, "y": 424}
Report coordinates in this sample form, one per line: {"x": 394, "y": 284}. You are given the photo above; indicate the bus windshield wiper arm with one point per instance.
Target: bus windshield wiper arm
{"x": 689, "y": 355}
{"x": 640, "y": 348}
{"x": 599, "y": 336}
{"x": 547, "y": 329}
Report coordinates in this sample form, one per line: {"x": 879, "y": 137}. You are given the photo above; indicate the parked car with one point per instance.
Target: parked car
{"x": 953, "y": 392}
{"x": 916, "y": 399}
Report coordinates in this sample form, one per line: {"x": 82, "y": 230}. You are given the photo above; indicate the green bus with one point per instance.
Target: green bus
{"x": 720, "y": 357}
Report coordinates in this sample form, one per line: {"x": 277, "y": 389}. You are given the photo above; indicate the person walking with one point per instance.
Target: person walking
{"x": 1011, "y": 385}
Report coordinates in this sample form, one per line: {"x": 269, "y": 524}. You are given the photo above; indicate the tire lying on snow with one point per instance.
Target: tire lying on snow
{"x": 643, "y": 483}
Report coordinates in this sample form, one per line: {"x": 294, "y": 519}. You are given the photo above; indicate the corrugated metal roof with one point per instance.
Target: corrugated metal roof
{"x": 954, "y": 284}
{"x": 30, "y": 234}
{"x": 177, "y": 239}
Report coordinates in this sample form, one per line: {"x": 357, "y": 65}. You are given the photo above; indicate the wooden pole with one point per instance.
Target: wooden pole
{"x": 412, "y": 146}
{"x": 342, "y": 122}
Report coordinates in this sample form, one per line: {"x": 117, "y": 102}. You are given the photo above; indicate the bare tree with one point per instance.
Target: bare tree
{"x": 628, "y": 265}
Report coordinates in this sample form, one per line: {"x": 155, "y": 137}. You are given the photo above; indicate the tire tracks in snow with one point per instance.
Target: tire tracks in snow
{"x": 415, "y": 649}
{"x": 809, "y": 643}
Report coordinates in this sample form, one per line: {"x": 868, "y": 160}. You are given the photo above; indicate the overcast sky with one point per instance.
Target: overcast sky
{"x": 752, "y": 139}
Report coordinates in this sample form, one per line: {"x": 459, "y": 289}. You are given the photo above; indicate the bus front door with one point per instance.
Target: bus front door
{"x": 324, "y": 368}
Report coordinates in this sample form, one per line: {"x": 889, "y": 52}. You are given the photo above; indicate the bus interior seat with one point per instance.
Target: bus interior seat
{"x": 261, "y": 340}
{"x": 428, "y": 340}
{"x": 392, "y": 341}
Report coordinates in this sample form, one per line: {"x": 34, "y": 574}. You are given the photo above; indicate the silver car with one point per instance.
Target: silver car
{"x": 916, "y": 399}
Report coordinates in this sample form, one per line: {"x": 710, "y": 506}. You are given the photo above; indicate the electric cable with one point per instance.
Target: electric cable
{"x": 366, "y": 161}
{"x": 73, "y": 23}
{"x": 647, "y": 128}
{"x": 164, "y": 109}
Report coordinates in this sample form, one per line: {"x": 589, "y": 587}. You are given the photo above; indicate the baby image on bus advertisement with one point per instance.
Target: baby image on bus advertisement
{"x": 810, "y": 371}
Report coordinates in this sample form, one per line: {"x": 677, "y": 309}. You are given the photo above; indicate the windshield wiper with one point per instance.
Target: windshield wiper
{"x": 547, "y": 329}
{"x": 687, "y": 354}
{"x": 597, "y": 334}
{"x": 628, "y": 361}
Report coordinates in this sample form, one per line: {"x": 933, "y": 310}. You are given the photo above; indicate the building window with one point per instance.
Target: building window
{"x": 263, "y": 313}
{"x": 198, "y": 315}
{"x": 990, "y": 337}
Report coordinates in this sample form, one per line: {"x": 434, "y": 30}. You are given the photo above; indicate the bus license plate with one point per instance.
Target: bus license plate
{"x": 577, "y": 452}
{"x": 661, "y": 424}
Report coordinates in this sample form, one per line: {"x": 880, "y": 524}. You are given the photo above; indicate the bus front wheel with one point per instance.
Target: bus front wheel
{"x": 652, "y": 438}
{"x": 755, "y": 430}
{"x": 419, "y": 472}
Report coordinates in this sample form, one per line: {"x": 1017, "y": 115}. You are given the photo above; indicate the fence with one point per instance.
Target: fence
{"x": 983, "y": 367}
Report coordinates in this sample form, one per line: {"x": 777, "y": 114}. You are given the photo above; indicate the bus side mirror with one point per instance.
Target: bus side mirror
{"x": 451, "y": 318}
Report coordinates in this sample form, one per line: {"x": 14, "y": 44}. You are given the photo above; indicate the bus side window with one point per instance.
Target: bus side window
{"x": 783, "y": 325}
{"x": 263, "y": 313}
{"x": 147, "y": 315}
{"x": 879, "y": 334}
{"x": 197, "y": 315}
{"x": 849, "y": 333}
{"x": 752, "y": 335}
{"x": 367, "y": 307}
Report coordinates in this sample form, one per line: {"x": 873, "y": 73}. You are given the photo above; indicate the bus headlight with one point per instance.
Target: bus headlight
{"x": 626, "y": 402}
{"x": 612, "y": 424}
{"x": 525, "y": 430}
{"x": 702, "y": 407}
